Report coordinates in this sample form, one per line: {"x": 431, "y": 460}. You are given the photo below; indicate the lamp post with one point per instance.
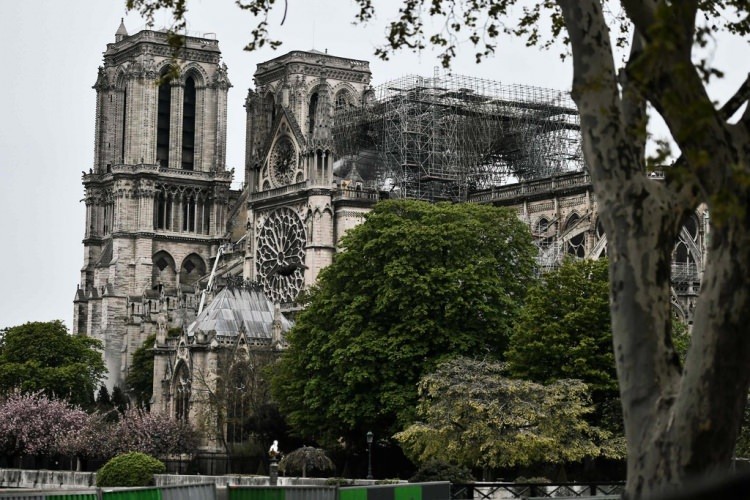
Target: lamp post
{"x": 369, "y": 454}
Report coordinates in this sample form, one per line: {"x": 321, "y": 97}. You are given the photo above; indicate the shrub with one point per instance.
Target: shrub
{"x": 130, "y": 469}
{"x": 437, "y": 470}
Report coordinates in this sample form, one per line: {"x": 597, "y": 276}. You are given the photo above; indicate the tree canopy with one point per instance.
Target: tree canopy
{"x": 471, "y": 412}
{"x": 416, "y": 283}
{"x": 564, "y": 331}
{"x": 45, "y": 357}
{"x": 140, "y": 378}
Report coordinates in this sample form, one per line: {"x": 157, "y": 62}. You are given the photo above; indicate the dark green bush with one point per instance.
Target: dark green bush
{"x": 437, "y": 470}
{"x": 129, "y": 469}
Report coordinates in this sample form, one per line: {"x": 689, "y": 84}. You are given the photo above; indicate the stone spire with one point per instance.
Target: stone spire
{"x": 121, "y": 31}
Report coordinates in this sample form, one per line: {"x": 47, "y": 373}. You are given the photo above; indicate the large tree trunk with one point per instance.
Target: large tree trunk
{"x": 678, "y": 423}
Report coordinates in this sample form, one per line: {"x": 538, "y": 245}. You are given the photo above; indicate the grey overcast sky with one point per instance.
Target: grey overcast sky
{"x": 50, "y": 54}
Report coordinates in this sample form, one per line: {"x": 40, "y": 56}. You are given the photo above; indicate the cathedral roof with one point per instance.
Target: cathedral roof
{"x": 236, "y": 308}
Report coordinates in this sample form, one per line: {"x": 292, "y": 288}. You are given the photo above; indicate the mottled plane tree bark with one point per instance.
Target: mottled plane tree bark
{"x": 680, "y": 420}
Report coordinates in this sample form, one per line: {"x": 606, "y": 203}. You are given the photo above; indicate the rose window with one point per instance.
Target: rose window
{"x": 283, "y": 161}
{"x": 280, "y": 258}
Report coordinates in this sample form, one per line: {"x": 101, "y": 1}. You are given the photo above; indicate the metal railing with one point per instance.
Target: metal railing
{"x": 497, "y": 491}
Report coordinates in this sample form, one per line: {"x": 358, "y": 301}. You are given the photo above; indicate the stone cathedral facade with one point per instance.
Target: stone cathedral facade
{"x": 160, "y": 214}
{"x": 157, "y": 196}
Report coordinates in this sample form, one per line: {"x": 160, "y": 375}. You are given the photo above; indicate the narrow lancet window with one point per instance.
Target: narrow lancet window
{"x": 188, "y": 125}
{"x": 162, "y": 124}
{"x": 124, "y": 123}
{"x": 311, "y": 111}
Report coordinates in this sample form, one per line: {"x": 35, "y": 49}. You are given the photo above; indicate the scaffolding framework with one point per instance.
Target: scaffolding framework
{"x": 443, "y": 137}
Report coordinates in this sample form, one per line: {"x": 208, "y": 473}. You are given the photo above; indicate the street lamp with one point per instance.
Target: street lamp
{"x": 369, "y": 454}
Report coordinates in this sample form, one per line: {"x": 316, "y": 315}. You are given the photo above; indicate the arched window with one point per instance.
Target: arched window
{"x": 164, "y": 112}
{"x": 691, "y": 226}
{"x": 311, "y": 111}
{"x": 343, "y": 100}
{"x": 192, "y": 269}
{"x": 163, "y": 210}
{"x": 542, "y": 225}
{"x": 188, "y": 125}
{"x": 188, "y": 214}
{"x": 124, "y": 122}
{"x": 182, "y": 390}
{"x": 163, "y": 270}
{"x": 270, "y": 111}
{"x": 237, "y": 392}
{"x": 576, "y": 244}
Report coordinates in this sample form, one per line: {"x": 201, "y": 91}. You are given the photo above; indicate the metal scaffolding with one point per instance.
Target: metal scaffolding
{"x": 446, "y": 136}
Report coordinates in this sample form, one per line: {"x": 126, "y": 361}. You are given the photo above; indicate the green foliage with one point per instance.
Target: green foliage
{"x": 129, "y": 469}
{"x": 473, "y": 414}
{"x": 680, "y": 338}
{"x": 45, "y": 357}
{"x": 102, "y": 396}
{"x": 119, "y": 400}
{"x": 565, "y": 331}
{"x": 416, "y": 283}
{"x": 437, "y": 470}
{"x": 305, "y": 459}
{"x": 139, "y": 380}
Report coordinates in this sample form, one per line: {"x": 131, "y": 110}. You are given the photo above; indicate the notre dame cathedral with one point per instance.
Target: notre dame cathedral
{"x": 170, "y": 249}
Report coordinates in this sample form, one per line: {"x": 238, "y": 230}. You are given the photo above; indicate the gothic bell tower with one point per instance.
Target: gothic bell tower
{"x": 291, "y": 192}
{"x": 157, "y": 194}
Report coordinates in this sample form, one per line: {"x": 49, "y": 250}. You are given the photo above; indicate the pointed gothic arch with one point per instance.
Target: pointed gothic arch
{"x": 575, "y": 245}
{"x": 192, "y": 268}
{"x": 181, "y": 390}
{"x": 195, "y": 71}
{"x": 163, "y": 270}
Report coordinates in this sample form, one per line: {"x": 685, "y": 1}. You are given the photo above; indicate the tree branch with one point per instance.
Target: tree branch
{"x": 642, "y": 14}
{"x": 737, "y": 100}
{"x": 633, "y": 103}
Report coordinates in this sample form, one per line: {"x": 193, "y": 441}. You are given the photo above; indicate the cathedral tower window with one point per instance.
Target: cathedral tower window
{"x": 270, "y": 110}
{"x": 124, "y": 123}
{"x": 193, "y": 268}
{"x": 188, "y": 214}
{"x": 576, "y": 244}
{"x": 188, "y": 125}
{"x": 162, "y": 123}
{"x": 206, "y": 216}
{"x": 163, "y": 211}
{"x": 343, "y": 100}
{"x": 311, "y": 111}
{"x": 163, "y": 270}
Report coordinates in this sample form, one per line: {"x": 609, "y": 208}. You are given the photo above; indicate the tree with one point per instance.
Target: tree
{"x": 304, "y": 459}
{"x": 471, "y": 412}
{"x": 45, "y": 357}
{"x": 119, "y": 399}
{"x": 140, "y": 378}
{"x": 417, "y": 282}
{"x": 695, "y": 412}
{"x": 154, "y": 433}
{"x": 33, "y": 424}
{"x": 565, "y": 331}
{"x": 95, "y": 439}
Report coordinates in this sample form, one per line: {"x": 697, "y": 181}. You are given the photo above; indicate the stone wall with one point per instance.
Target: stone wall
{"x": 47, "y": 479}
